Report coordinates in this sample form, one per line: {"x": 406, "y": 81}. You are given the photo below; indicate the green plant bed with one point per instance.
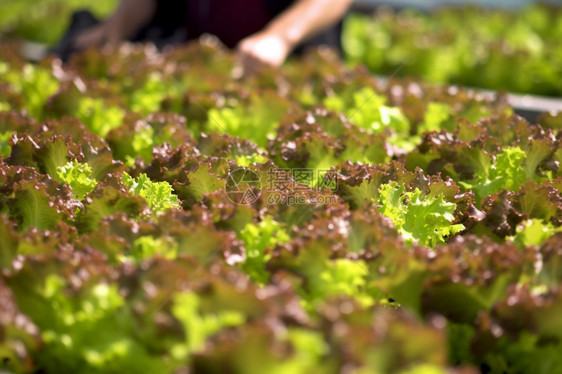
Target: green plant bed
{"x": 497, "y": 49}
{"x": 303, "y": 220}
{"x": 45, "y": 21}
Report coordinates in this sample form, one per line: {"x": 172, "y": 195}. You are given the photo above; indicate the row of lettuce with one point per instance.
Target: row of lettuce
{"x": 427, "y": 240}
{"x": 464, "y": 45}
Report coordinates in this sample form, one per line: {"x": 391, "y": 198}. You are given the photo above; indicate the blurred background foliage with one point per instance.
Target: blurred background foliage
{"x": 464, "y": 44}
{"x": 45, "y": 20}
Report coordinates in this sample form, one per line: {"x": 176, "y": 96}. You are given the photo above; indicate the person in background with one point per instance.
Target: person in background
{"x": 263, "y": 32}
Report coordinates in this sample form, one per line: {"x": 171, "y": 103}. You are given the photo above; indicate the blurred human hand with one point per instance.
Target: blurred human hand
{"x": 106, "y": 33}
{"x": 262, "y": 49}
{"x": 128, "y": 19}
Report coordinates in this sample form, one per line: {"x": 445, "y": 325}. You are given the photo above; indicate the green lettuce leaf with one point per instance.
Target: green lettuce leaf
{"x": 245, "y": 161}
{"x": 158, "y": 195}
{"x": 437, "y": 116}
{"x": 148, "y": 98}
{"x": 370, "y": 112}
{"x": 257, "y": 238}
{"x": 99, "y": 118}
{"x": 5, "y": 148}
{"x": 340, "y": 277}
{"x": 201, "y": 182}
{"x": 79, "y": 177}
{"x": 197, "y": 326}
{"x": 68, "y": 323}
{"x": 419, "y": 218}
{"x": 256, "y": 121}
{"x": 148, "y": 246}
{"x": 36, "y": 85}
{"x": 511, "y": 169}
{"x": 534, "y": 232}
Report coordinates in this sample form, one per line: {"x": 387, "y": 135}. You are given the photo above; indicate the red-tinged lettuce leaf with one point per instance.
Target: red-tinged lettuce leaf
{"x": 171, "y": 164}
{"x": 115, "y": 64}
{"x": 208, "y": 51}
{"x": 465, "y": 213}
{"x": 234, "y": 351}
{"x": 541, "y": 201}
{"x": 369, "y": 229}
{"x": 9, "y": 239}
{"x": 11, "y": 53}
{"x": 5, "y": 148}
{"x": 195, "y": 234}
{"x": 31, "y": 206}
{"x": 17, "y": 123}
{"x": 319, "y": 256}
{"x": 414, "y": 98}
{"x": 102, "y": 163}
{"x": 255, "y": 120}
{"x": 81, "y": 269}
{"x": 470, "y": 275}
{"x": 196, "y": 105}
{"x": 223, "y": 145}
{"x": 152, "y": 285}
{"x": 502, "y": 214}
{"x": 293, "y": 203}
{"x": 359, "y": 184}
{"x": 523, "y": 310}
{"x": 19, "y": 337}
{"x": 539, "y": 152}
{"x": 328, "y": 349}
{"x": 380, "y": 331}
{"x": 115, "y": 236}
{"x": 322, "y": 140}
{"x": 225, "y": 213}
{"x": 66, "y": 101}
{"x": 501, "y": 131}
{"x": 471, "y": 160}
{"x": 59, "y": 238}
{"x": 227, "y": 289}
{"x": 200, "y": 182}
{"x": 419, "y": 218}
{"x": 393, "y": 267}
{"x": 551, "y": 120}
{"x": 55, "y": 290}
{"x": 149, "y": 133}
{"x": 522, "y": 332}
{"x": 107, "y": 200}
{"x": 93, "y": 149}
{"x": 550, "y": 273}
{"x": 34, "y": 200}
{"x": 486, "y": 164}
{"x": 46, "y": 156}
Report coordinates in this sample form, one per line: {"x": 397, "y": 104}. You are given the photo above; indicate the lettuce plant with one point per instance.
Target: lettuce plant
{"x": 158, "y": 195}
{"x": 79, "y": 177}
{"x": 418, "y": 217}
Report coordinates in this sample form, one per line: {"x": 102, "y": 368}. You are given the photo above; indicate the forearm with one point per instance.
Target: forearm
{"x": 307, "y": 18}
{"x": 132, "y": 15}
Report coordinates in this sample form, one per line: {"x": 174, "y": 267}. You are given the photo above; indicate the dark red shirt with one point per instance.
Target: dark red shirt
{"x": 231, "y": 20}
